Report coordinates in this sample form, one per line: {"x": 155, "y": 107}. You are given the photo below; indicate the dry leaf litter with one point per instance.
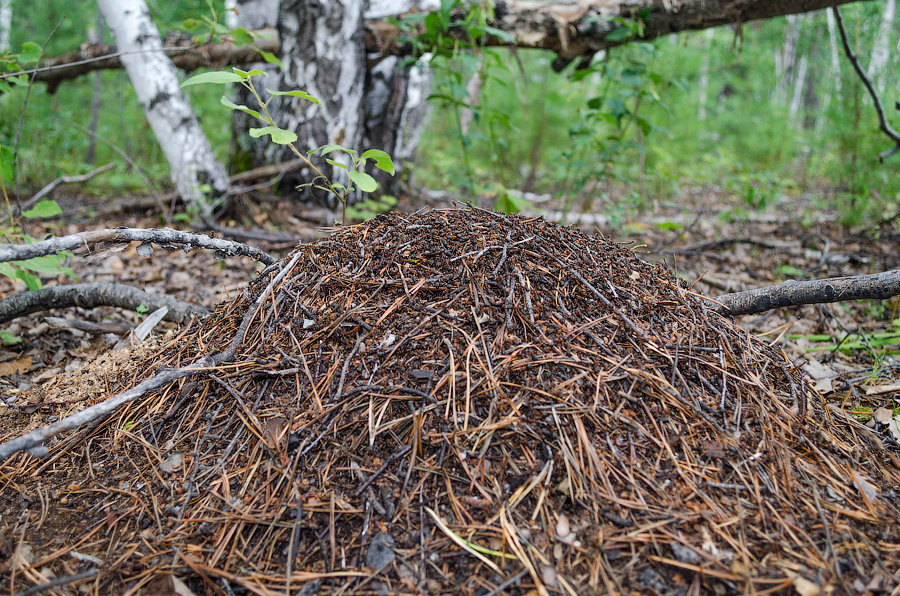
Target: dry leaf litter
{"x": 458, "y": 401}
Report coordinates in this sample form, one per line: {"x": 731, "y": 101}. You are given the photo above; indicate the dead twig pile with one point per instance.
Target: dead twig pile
{"x": 464, "y": 402}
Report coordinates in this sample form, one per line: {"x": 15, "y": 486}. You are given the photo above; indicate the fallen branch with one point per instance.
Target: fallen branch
{"x": 268, "y": 171}
{"x": 33, "y": 441}
{"x": 883, "y": 124}
{"x": 92, "y": 295}
{"x": 65, "y": 180}
{"x": 165, "y": 237}
{"x": 877, "y": 286}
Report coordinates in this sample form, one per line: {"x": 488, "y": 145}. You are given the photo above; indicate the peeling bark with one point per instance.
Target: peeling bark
{"x": 191, "y": 159}
{"x": 323, "y": 52}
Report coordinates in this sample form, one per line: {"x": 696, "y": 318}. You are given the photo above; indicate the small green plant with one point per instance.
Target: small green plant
{"x": 879, "y": 343}
{"x": 141, "y": 310}
{"x": 209, "y": 29}
{"x": 28, "y": 270}
{"x": 357, "y": 178}
{"x": 8, "y": 338}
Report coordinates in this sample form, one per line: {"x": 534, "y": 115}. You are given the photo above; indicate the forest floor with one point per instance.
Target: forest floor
{"x": 709, "y": 239}
{"x": 713, "y": 244}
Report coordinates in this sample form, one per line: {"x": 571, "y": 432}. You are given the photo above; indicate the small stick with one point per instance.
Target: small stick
{"x": 162, "y": 236}
{"x": 32, "y": 441}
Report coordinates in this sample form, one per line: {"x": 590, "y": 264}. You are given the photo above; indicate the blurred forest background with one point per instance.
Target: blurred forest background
{"x": 758, "y": 114}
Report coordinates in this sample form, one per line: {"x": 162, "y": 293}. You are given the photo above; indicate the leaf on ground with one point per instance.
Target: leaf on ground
{"x": 15, "y": 367}
{"x": 822, "y": 374}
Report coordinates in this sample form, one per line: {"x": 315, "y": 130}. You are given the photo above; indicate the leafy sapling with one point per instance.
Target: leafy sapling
{"x": 357, "y": 178}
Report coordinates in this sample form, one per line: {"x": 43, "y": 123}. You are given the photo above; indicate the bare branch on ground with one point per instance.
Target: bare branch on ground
{"x": 65, "y": 180}
{"x": 877, "y": 286}
{"x": 92, "y": 295}
{"x": 33, "y": 441}
{"x": 165, "y": 237}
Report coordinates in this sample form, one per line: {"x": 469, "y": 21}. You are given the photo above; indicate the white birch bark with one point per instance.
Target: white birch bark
{"x": 5, "y": 23}
{"x": 231, "y": 17}
{"x": 191, "y": 159}
{"x": 786, "y": 60}
{"x": 881, "y": 49}
{"x": 323, "y": 53}
{"x": 799, "y": 83}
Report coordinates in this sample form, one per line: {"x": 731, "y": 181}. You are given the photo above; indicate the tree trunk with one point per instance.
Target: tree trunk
{"x": 881, "y": 49}
{"x": 323, "y": 53}
{"x": 190, "y": 156}
{"x": 5, "y": 23}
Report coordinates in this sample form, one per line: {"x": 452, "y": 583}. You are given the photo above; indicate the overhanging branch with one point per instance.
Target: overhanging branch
{"x": 883, "y": 124}
{"x": 567, "y": 29}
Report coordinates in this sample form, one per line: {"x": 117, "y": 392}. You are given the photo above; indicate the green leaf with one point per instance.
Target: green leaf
{"x": 326, "y": 149}
{"x": 383, "y": 161}
{"x": 44, "y": 208}
{"x": 618, "y": 34}
{"x": 8, "y": 338}
{"x": 256, "y": 73}
{"x": 233, "y": 106}
{"x": 362, "y": 180}
{"x": 297, "y": 93}
{"x": 220, "y": 78}
{"x": 336, "y": 164}
{"x": 241, "y": 36}
{"x": 8, "y": 270}
{"x": 31, "y": 52}
{"x": 279, "y": 136}
{"x": 446, "y": 7}
{"x": 500, "y": 34}
{"x": 269, "y": 57}
{"x": 32, "y": 281}
{"x": 191, "y": 24}
{"x": 507, "y": 203}
{"x": 48, "y": 265}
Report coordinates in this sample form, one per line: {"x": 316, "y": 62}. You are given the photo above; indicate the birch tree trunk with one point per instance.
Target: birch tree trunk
{"x": 323, "y": 53}
{"x": 5, "y": 23}
{"x": 191, "y": 160}
{"x": 881, "y": 49}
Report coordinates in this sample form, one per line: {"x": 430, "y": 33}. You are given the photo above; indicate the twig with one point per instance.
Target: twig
{"x": 65, "y": 180}
{"x": 883, "y": 124}
{"x": 33, "y": 440}
{"x": 161, "y": 236}
{"x": 278, "y": 169}
{"x": 58, "y": 581}
{"x": 92, "y": 295}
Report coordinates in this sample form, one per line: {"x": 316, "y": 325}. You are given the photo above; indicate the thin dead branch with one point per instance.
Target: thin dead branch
{"x": 92, "y": 295}
{"x": 33, "y": 441}
{"x": 63, "y": 180}
{"x": 165, "y": 237}
{"x": 883, "y": 123}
